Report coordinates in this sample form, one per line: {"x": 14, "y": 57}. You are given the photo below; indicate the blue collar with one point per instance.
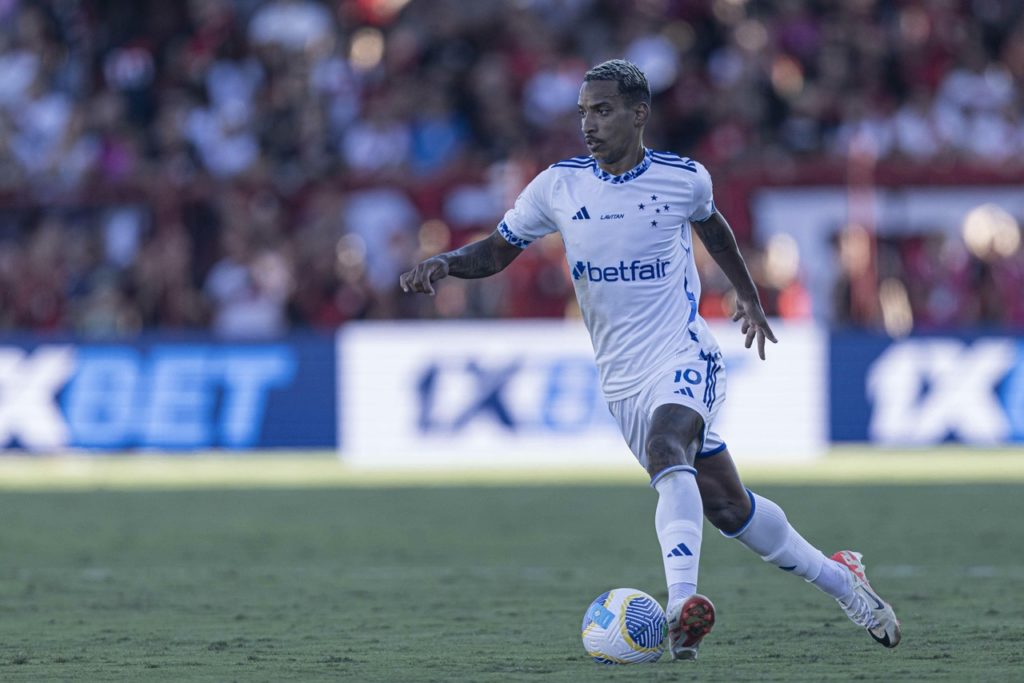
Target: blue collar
{"x": 632, "y": 173}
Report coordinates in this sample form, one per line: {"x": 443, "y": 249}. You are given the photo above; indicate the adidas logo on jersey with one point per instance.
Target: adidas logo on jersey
{"x": 582, "y": 214}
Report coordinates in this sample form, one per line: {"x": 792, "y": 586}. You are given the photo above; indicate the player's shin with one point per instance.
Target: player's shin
{"x": 678, "y": 520}
{"x": 769, "y": 534}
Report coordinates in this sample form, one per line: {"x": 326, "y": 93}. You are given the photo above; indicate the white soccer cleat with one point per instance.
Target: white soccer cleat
{"x": 865, "y": 608}
{"x": 688, "y": 622}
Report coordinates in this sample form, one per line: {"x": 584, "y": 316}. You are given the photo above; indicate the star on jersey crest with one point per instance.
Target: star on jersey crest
{"x": 654, "y": 197}
{"x": 654, "y": 224}
{"x": 640, "y": 206}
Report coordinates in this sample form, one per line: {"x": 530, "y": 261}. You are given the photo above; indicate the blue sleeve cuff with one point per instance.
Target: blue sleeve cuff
{"x": 512, "y": 238}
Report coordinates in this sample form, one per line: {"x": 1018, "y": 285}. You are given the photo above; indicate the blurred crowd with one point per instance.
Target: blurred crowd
{"x": 931, "y": 281}
{"x": 258, "y": 166}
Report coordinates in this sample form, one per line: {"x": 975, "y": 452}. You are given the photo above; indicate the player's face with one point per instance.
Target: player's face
{"x": 611, "y": 127}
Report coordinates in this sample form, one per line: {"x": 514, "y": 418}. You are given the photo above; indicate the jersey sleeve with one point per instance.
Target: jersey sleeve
{"x": 703, "y": 196}
{"x": 529, "y": 218}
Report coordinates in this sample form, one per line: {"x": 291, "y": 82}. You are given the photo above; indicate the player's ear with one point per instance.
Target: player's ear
{"x": 641, "y": 111}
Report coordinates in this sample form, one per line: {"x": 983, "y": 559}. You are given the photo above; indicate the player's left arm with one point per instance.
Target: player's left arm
{"x": 720, "y": 241}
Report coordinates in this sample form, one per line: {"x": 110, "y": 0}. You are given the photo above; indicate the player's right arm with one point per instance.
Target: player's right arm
{"x": 526, "y": 221}
{"x": 475, "y": 260}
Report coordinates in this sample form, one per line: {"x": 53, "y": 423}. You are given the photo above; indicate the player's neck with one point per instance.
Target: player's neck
{"x": 627, "y": 162}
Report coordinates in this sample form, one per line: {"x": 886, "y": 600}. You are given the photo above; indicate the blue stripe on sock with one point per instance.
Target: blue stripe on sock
{"x": 669, "y": 470}
{"x": 750, "y": 517}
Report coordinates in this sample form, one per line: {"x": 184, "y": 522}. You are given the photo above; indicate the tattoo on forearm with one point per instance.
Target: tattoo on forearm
{"x": 720, "y": 242}
{"x": 472, "y": 261}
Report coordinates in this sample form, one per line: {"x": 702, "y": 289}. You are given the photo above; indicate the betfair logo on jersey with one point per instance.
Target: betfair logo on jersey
{"x": 623, "y": 272}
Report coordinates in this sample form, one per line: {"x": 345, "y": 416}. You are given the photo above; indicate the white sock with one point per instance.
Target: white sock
{"x": 679, "y": 520}
{"x": 769, "y": 534}
{"x": 677, "y": 592}
{"x": 833, "y": 579}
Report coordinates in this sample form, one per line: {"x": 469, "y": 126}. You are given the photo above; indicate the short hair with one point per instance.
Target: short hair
{"x": 632, "y": 82}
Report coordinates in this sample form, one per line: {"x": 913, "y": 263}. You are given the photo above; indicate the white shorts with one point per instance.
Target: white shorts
{"x": 696, "y": 381}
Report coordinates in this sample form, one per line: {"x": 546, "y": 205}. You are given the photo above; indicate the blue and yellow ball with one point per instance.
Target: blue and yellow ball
{"x": 624, "y": 626}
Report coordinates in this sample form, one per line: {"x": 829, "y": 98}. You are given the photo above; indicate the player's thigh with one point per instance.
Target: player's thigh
{"x": 688, "y": 394}
{"x": 660, "y": 419}
{"x": 674, "y": 437}
{"x": 693, "y": 386}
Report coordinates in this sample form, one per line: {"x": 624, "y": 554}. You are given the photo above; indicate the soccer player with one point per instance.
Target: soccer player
{"x": 625, "y": 215}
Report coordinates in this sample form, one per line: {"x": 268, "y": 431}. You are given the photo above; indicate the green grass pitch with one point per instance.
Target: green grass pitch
{"x": 483, "y": 583}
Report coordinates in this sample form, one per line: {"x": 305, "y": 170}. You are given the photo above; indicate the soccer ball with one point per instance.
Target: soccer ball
{"x": 624, "y": 626}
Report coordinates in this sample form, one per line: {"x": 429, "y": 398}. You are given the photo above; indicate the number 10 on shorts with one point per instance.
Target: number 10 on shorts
{"x": 690, "y": 376}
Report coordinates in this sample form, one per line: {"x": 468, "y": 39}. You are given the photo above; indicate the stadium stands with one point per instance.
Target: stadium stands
{"x": 257, "y": 167}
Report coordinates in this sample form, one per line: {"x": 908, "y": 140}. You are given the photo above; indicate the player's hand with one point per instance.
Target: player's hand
{"x": 422, "y": 277}
{"x": 755, "y": 324}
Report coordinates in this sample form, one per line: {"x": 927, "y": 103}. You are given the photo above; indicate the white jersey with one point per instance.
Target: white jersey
{"x": 629, "y": 248}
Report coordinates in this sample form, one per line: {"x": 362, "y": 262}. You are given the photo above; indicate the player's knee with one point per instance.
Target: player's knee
{"x": 726, "y": 513}
{"x": 664, "y": 451}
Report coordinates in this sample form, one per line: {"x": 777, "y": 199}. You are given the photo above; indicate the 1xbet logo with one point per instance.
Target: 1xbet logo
{"x": 926, "y": 390}
{"x": 183, "y": 396}
{"x": 623, "y": 272}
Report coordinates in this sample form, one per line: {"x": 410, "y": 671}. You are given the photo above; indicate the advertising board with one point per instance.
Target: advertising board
{"x": 159, "y": 393}
{"x": 526, "y": 393}
{"x": 925, "y": 390}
